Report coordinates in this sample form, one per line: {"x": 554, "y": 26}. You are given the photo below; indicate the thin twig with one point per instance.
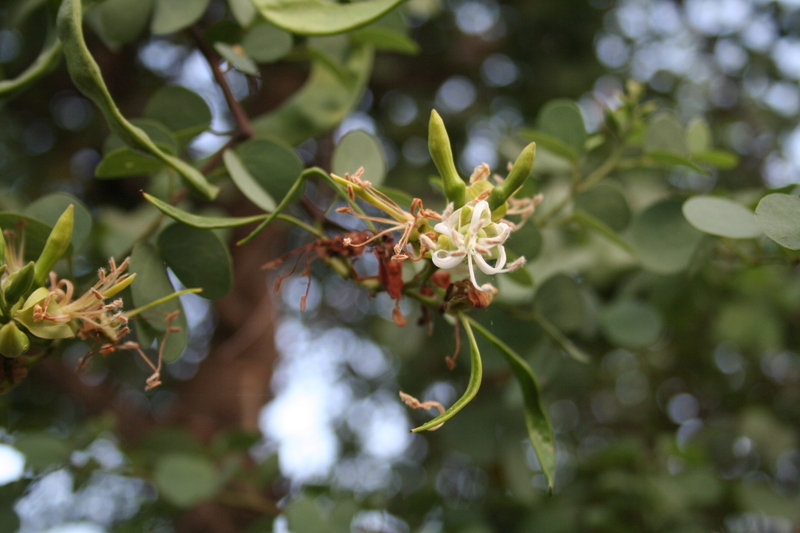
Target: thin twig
{"x": 244, "y": 130}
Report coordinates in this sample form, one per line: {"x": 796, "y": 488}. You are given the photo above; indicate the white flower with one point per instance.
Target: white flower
{"x": 471, "y": 234}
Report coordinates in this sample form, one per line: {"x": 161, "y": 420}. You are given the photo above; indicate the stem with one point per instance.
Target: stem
{"x": 244, "y": 130}
{"x": 132, "y": 313}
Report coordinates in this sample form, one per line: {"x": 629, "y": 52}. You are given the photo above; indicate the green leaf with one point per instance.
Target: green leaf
{"x": 185, "y": 480}
{"x": 561, "y": 301}
{"x": 86, "y": 75}
{"x": 401, "y": 198}
{"x": 664, "y": 133}
{"x": 273, "y": 165}
{"x": 34, "y": 231}
{"x": 123, "y": 21}
{"x": 698, "y": 136}
{"x": 237, "y": 57}
{"x": 43, "y": 450}
{"x": 266, "y": 43}
{"x": 184, "y": 112}
{"x": 357, "y": 149}
{"x": 778, "y": 216}
{"x": 720, "y": 216}
{"x": 305, "y": 516}
{"x": 670, "y": 159}
{"x": 174, "y": 15}
{"x": 322, "y": 103}
{"x": 243, "y": 11}
{"x": 198, "y": 258}
{"x": 527, "y": 241}
{"x": 607, "y": 204}
{"x": 595, "y": 224}
{"x": 49, "y": 208}
{"x": 386, "y": 39}
{"x": 631, "y": 324}
{"x": 550, "y": 143}
{"x": 317, "y": 17}
{"x": 151, "y": 284}
{"x": 246, "y": 183}
{"x": 722, "y": 159}
{"x": 537, "y": 420}
{"x": 563, "y": 120}
{"x": 563, "y": 341}
{"x": 198, "y": 221}
{"x": 124, "y": 162}
{"x": 475, "y": 377}
{"x": 664, "y": 241}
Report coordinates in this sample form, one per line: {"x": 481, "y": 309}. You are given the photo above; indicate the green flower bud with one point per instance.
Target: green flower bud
{"x": 19, "y": 283}
{"x": 516, "y": 178}
{"x": 55, "y": 247}
{"x": 13, "y": 341}
{"x": 442, "y": 155}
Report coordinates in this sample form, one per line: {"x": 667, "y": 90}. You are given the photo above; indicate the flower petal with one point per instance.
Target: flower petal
{"x": 447, "y": 260}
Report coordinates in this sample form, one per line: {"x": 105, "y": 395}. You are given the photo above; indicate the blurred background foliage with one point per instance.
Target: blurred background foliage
{"x": 685, "y": 418}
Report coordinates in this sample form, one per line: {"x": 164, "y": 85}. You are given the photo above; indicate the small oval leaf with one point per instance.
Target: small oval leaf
{"x": 359, "y": 149}
{"x": 722, "y": 217}
{"x": 198, "y": 258}
{"x": 778, "y": 215}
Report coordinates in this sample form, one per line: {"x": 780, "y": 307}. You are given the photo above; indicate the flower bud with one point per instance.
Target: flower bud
{"x": 19, "y": 284}
{"x": 516, "y": 178}
{"x": 56, "y": 245}
{"x": 442, "y": 155}
{"x": 13, "y": 341}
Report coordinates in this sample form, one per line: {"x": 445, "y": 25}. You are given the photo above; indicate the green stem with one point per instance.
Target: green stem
{"x": 133, "y": 312}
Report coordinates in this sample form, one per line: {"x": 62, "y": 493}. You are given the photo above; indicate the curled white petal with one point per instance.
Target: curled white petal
{"x": 447, "y": 260}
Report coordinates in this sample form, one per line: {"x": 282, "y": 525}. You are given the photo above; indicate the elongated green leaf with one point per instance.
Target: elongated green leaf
{"x": 88, "y": 79}
{"x": 322, "y": 103}
{"x": 475, "y": 377}
{"x": 537, "y": 420}
{"x": 722, "y": 159}
{"x": 198, "y": 221}
{"x": 595, "y": 224}
{"x": 198, "y": 258}
{"x": 670, "y": 159}
{"x": 720, "y": 216}
{"x": 317, "y": 17}
{"x": 778, "y": 215}
{"x": 174, "y": 15}
{"x": 387, "y": 39}
{"x": 46, "y": 61}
